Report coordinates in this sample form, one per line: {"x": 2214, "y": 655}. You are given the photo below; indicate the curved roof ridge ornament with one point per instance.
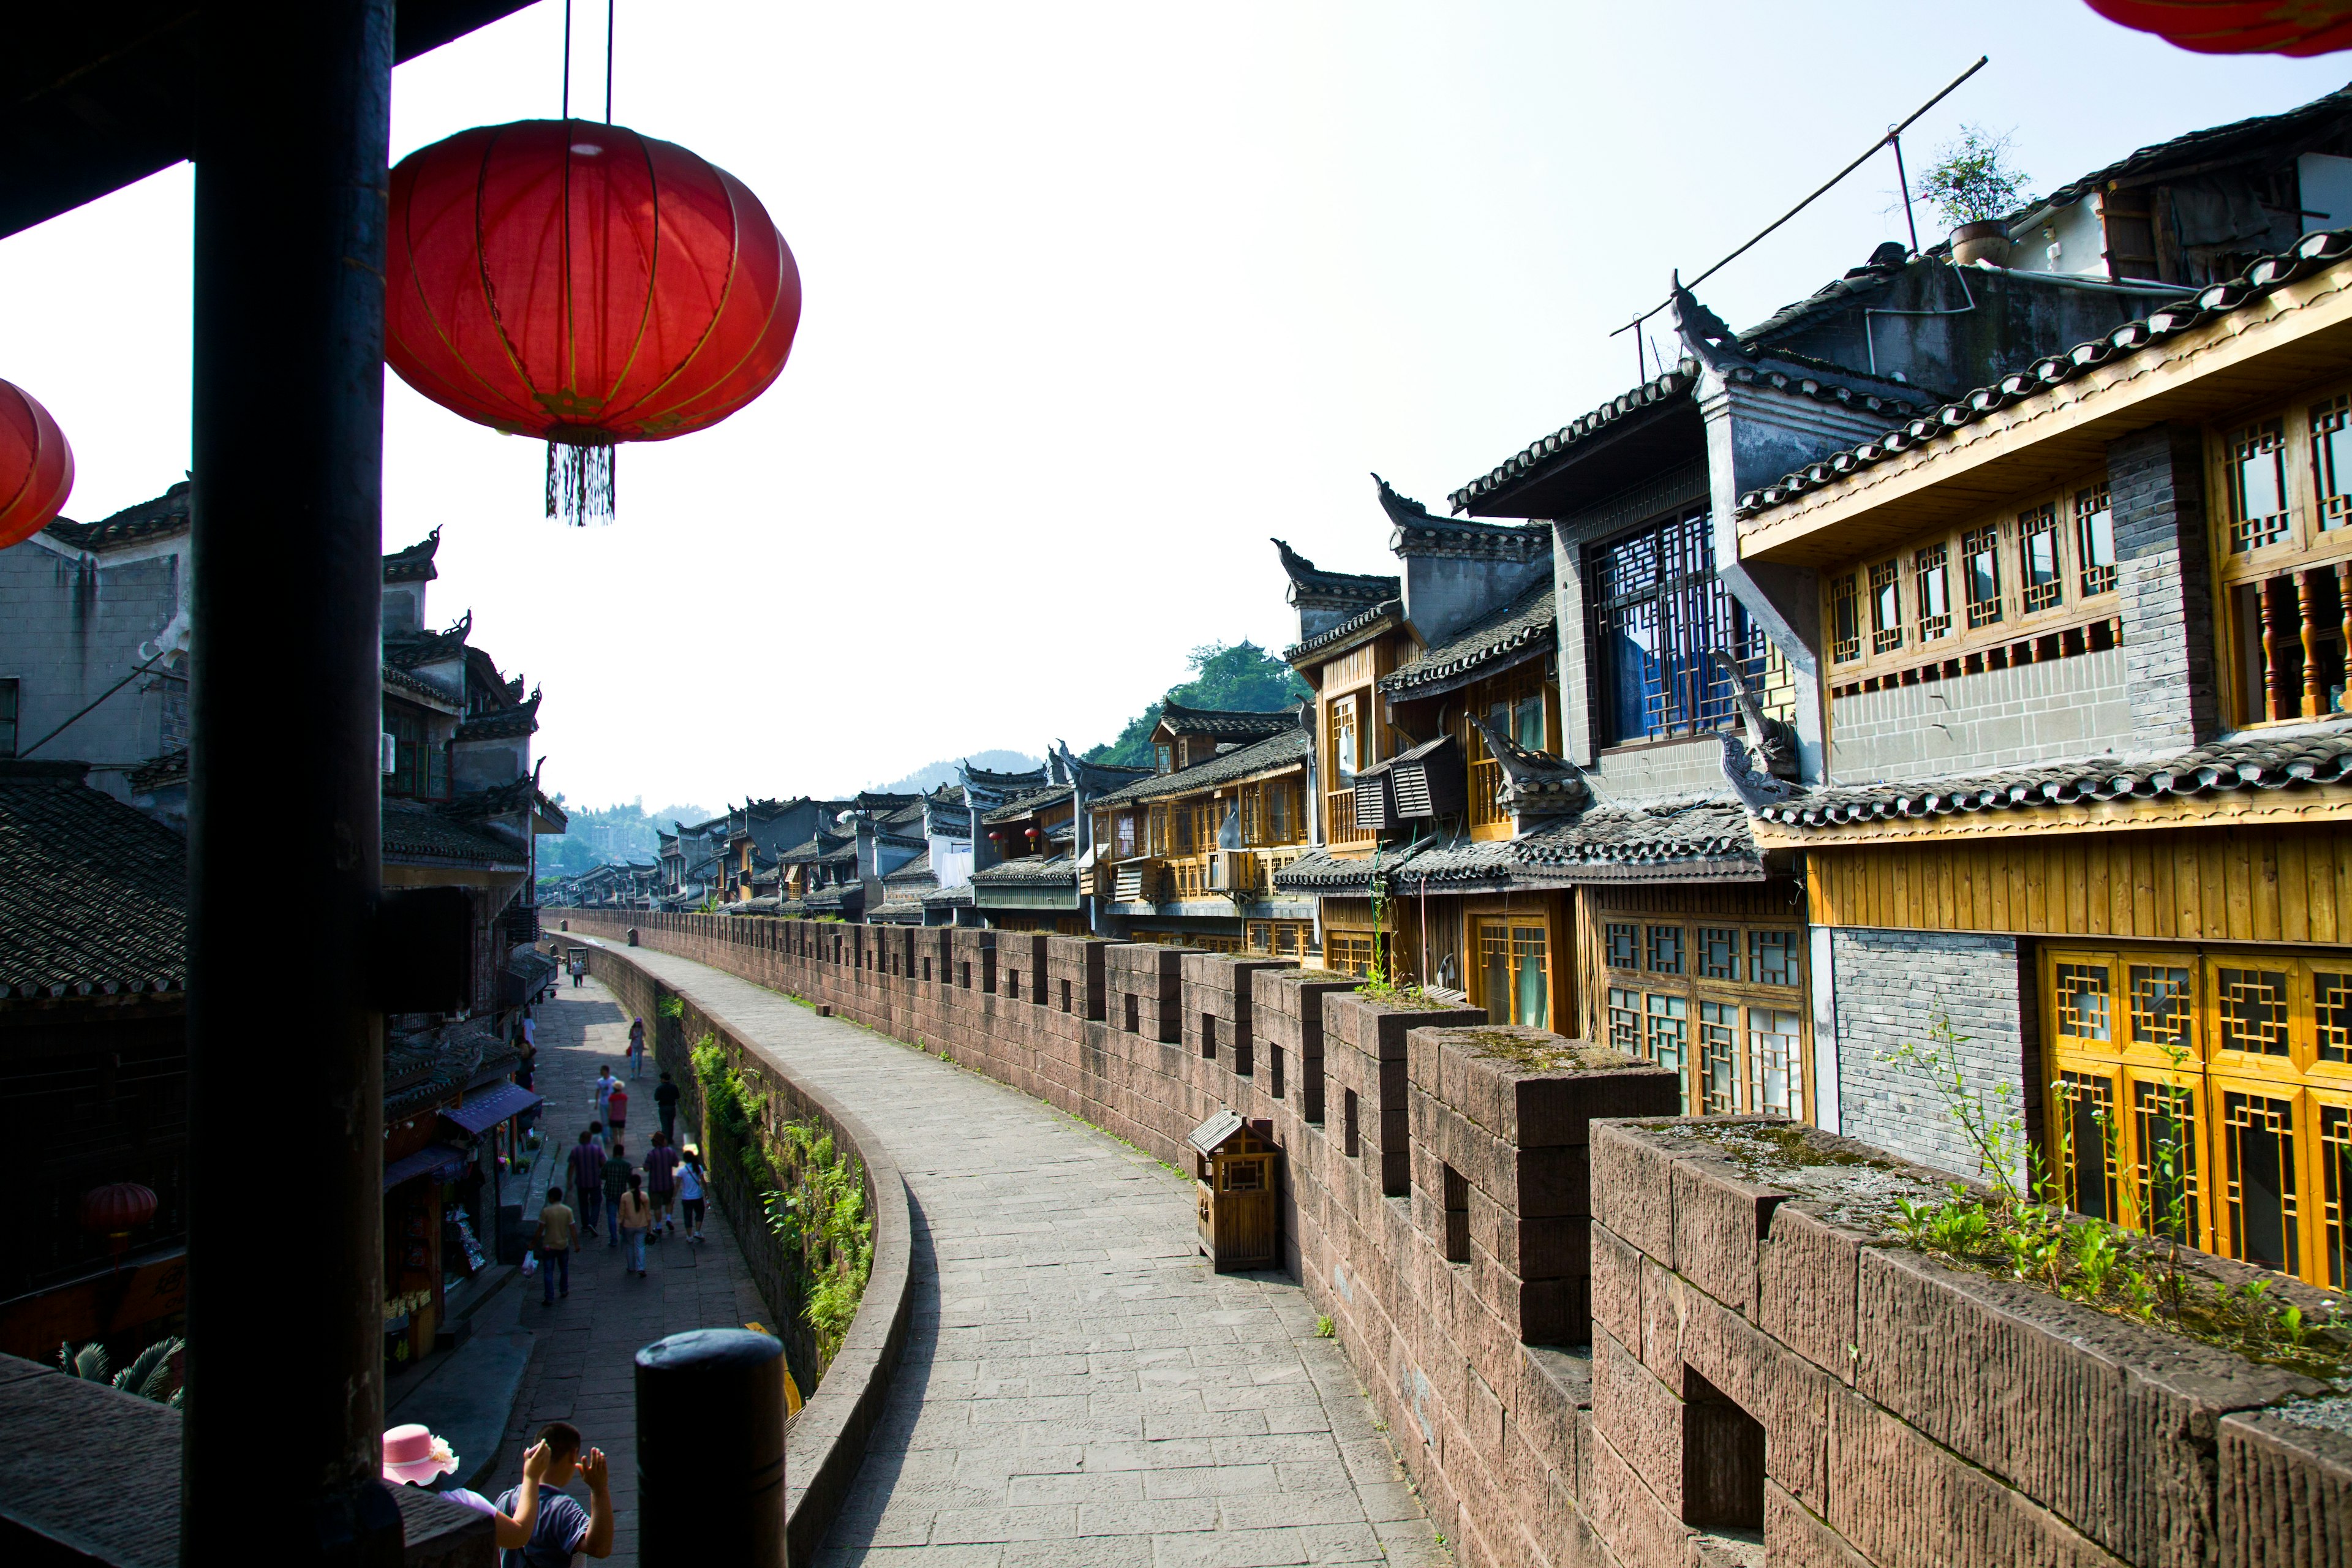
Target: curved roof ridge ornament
{"x": 1706, "y": 334}
{"x": 1534, "y": 783}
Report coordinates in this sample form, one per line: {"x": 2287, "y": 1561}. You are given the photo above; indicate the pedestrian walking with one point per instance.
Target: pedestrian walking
{"x": 587, "y": 1162}
{"x": 637, "y": 1049}
{"x": 530, "y": 1031}
{"x": 616, "y": 1115}
{"x": 661, "y": 1183}
{"x": 637, "y": 1218}
{"x": 617, "y": 1173}
{"x": 690, "y": 1179}
{"x": 603, "y": 1088}
{"x": 665, "y": 1106}
{"x": 555, "y": 1222}
{"x": 564, "y": 1529}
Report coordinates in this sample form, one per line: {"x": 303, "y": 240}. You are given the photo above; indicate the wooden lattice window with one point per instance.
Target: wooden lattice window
{"x": 2251, "y": 1008}
{"x": 1846, "y": 618}
{"x": 1885, "y": 606}
{"x": 2335, "y": 1194}
{"x": 2331, "y": 461}
{"x": 2040, "y": 584}
{"x": 1665, "y": 618}
{"x": 1717, "y": 949}
{"x": 1624, "y": 946}
{"x": 2259, "y": 515}
{"x": 1980, "y": 563}
{"x": 1665, "y": 950}
{"x": 1932, "y": 590}
{"x": 2258, "y": 1187}
{"x": 1717, "y": 1005}
{"x": 2094, "y": 539}
{"x": 2085, "y": 1009}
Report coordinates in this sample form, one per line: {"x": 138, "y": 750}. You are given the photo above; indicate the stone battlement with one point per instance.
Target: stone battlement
{"x": 1599, "y": 1333}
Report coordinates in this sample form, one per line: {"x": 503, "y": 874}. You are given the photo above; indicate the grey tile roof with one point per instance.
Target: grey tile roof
{"x": 1027, "y": 801}
{"x": 1523, "y": 627}
{"x": 1225, "y": 723}
{"x": 915, "y": 872}
{"x": 957, "y": 896}
{"x": 1362, "y": 621}
{"x": 400, "y": 682}
{"x": 2265, "y": 761}
{"x": 93, "y": 895}
{"x": 2315, "y": 252}
{"x": 413, "y": 563}
{"x": 1700, "y": 840}
{"x": 1673, "y": 385}
{"x": 503, "y": 723}
{"x": 2214, "y": 143}
{"x": 1310, "y": 583}
{"x": 1056, "y": 871}
{"x": 166, "y": 514}
{"x": 415, "y": 834}
{"x": 1285, "y": 748}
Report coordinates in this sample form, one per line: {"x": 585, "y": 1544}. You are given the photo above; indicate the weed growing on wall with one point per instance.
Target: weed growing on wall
{"x": 2020, "y": 1225}
{"x": 812, "y": 1197}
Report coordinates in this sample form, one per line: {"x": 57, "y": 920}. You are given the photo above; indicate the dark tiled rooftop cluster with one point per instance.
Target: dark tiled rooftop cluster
{"x": 2314, "y": 253}
{"x": 1230, "y": 725}
{"x": 1035, "y": 871}
{"x": 1700, "y": 840}
{"x": 1658, "y": 390}
{"x": 2248, "y": 762}
{"x": 415, "y": 832}
{"x": 93, "y": 895}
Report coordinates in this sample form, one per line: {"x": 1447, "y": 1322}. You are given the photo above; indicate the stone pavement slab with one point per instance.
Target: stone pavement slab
{"x": 1078, "y": 1388}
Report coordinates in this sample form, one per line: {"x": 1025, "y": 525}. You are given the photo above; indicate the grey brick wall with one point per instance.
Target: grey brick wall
{"x": 2156, "y": 483}
{"x": 72, "y": 630}
{"x": 2003, "y": 718}
{"x": 1889, "y": 988}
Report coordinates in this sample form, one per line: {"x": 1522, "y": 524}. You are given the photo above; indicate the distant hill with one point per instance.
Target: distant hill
{"x": 605, "y": 836}
{"x": 930, "y": 776}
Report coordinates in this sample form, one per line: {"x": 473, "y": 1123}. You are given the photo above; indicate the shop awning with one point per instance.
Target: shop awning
{"x": 440, "y": 1161}
{"x": 487, "y": 1108}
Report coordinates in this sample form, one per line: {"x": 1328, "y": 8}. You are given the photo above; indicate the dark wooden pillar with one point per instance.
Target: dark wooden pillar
{"x": 285, "y": 1273}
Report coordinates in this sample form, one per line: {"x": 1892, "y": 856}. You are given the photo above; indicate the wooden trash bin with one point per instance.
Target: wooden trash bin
{"x": 1237, "y": 1174}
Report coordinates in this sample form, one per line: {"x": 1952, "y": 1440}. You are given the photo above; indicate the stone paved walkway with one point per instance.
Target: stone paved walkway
{"x": 1080, "y": 1388}
{"x": 582, "y": 1370}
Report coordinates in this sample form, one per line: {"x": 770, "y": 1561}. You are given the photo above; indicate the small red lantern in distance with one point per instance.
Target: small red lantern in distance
{"x": 586, "y": 285}
{"x": 115, "y": 1210}
{"x": 2238, "y": 27}
{"x": 37, "y": 466}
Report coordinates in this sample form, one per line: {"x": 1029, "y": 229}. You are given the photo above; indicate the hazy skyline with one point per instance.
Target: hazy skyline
{"x": 1096, "y": 299}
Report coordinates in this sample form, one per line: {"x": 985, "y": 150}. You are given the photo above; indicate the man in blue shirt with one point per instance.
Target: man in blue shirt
{"x": 563, "y": 1528}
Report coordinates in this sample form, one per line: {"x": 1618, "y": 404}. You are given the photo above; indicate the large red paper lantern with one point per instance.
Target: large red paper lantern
{"x": 115, "y": 1210}
{"x": 37, "y": 466}
{"x": 586, "y": 285}
{"x": 2238, "y": 27}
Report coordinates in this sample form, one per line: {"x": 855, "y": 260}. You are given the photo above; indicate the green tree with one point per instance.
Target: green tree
{"x": 1972, "y": 180}
{"x": 1239, "y": 678}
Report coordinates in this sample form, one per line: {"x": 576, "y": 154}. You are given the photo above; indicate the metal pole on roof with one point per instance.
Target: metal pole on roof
{"x": 292, "y": 153}
{"x": 1892, "y": 138}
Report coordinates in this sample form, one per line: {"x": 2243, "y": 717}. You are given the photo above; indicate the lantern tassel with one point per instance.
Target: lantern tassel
{"x": 580, "y": 483}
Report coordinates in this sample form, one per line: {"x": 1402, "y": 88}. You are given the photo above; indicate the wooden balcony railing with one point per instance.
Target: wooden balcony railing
{"x": 1485, "y": 778}
{"x": 1339, "y": 819}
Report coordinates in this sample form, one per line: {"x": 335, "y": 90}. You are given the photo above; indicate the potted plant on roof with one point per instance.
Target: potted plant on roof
{"x": 1975, "y": 187}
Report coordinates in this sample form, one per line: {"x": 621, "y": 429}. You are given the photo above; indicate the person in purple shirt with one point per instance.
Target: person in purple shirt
{"x": 588, "y": 1177}
{"x": 562, "y": 1526}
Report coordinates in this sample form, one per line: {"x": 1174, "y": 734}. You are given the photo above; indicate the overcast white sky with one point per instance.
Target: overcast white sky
{"x": 1098, "y": 298}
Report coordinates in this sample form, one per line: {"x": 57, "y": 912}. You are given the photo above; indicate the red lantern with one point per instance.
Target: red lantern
{"x": 115, "y": 1210}
{"x": 586, "y": 285}
{"x": 37, "y": 467}
{"x": 2238, "y": 27}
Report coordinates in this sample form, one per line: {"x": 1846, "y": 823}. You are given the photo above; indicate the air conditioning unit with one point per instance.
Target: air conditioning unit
{"x": 390, "y": 762}
{"x": 1375, "y": 805}
{"x": 1429, "y": 780}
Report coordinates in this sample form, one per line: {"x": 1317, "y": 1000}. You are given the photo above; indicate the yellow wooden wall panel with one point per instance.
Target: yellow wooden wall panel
{"x": 2286, "y": 884}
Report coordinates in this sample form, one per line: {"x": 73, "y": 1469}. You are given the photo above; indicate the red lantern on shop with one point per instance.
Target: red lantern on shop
{"x": 37, "y": 466}
{"x": 2238, "y": 27}
{"x": 585, "y": 285}
{"x": 114, "y": 1211}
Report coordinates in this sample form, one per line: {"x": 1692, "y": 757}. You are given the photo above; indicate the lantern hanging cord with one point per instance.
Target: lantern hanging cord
{"x": 579, "y": 482}
{"x": 1892, "y": 138}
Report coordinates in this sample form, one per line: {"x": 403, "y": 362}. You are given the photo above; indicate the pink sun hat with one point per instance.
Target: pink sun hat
{"x": 415, "y": 1454}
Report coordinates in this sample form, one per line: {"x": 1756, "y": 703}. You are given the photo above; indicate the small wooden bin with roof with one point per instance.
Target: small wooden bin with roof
{"x": 1237, "y": 1171}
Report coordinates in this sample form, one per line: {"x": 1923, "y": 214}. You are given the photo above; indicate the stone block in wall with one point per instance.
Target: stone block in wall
{"x": 1286, "y": 1012}
{"x": 1145, "y": 982}
{"x": 1788, "y": 1394}
{"x": 1796, "y": 1536}
{"x": 1375, "y": 1033}
{"x": 935, "y": 955}
{"x": 2286, "y": 1488}
{"x": 1075, "y": 978}
{"x": 1636, "y": 1527}
{"x": 1617, "y": 1276}
{"x": 1633, "y": 1188}
{"x": 975, "y": 960}
{"x": 2102, "y": 1421}
{"x": 1721, "y": 1217}
{"x": 1218, "y": 1015}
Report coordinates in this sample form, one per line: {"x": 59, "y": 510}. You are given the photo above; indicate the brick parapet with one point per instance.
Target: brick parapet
{"x": 1748, "y": 1350}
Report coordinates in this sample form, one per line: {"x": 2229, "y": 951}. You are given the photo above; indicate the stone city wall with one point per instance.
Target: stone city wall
{"x": 1594, "y": 1337}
